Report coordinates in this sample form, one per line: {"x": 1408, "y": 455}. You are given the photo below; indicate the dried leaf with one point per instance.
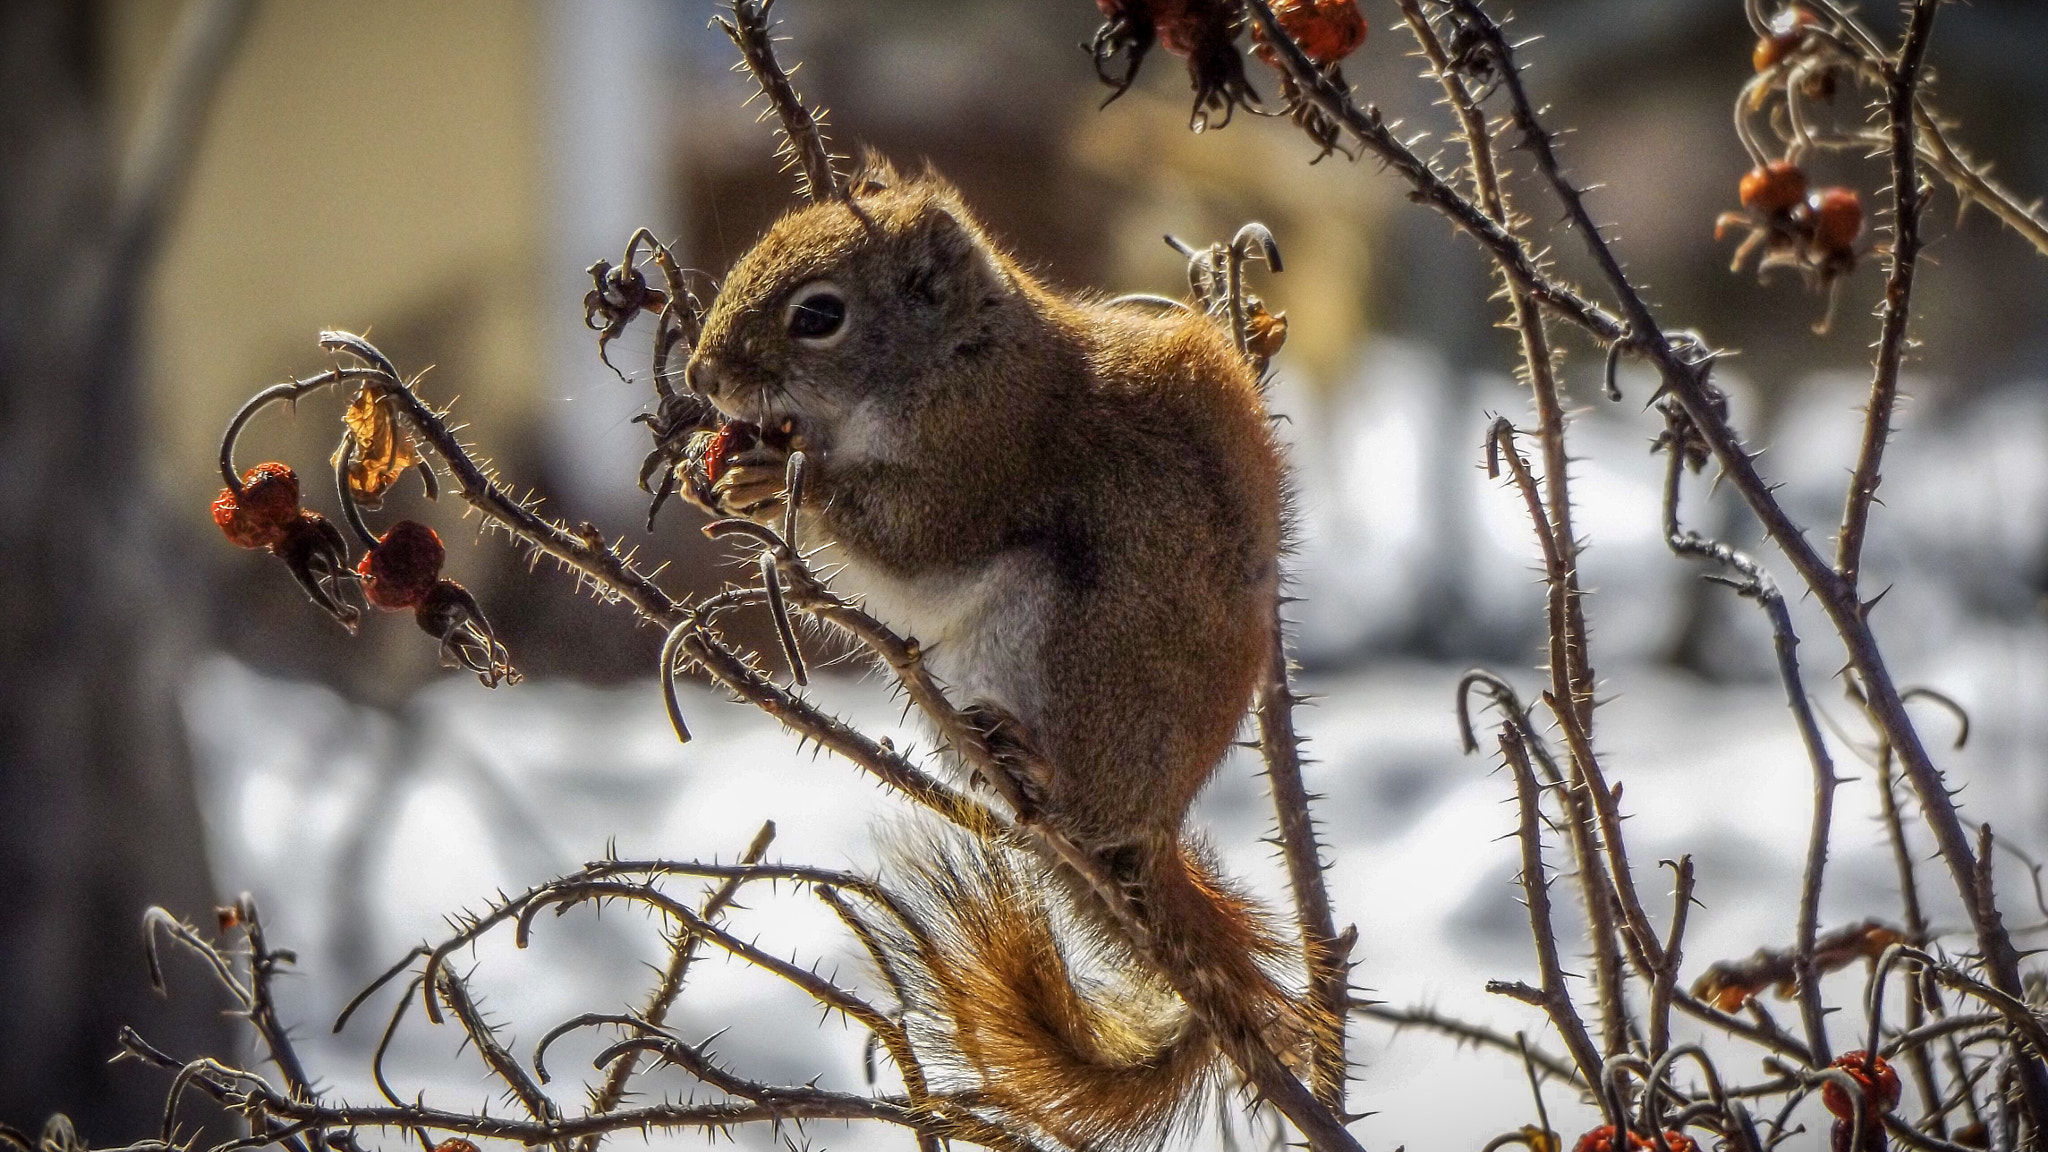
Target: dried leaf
{"x": 1729, "y": 984}
{"x": 1264, "y": 331}
{"x": 384, "y": 447}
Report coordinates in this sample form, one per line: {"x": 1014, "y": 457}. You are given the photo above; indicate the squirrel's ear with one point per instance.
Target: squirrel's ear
{"x": 955, "y": 247}
{"x": 875, "y": 174}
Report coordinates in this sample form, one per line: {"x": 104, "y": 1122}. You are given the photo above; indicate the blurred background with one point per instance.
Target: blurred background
{"x": 178, "y": 724}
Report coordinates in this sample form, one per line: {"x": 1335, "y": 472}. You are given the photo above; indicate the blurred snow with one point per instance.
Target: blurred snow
{"x": 359, "y": 830}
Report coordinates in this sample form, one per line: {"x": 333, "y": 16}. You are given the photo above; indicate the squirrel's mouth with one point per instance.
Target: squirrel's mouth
{"x": 781, "y": 432}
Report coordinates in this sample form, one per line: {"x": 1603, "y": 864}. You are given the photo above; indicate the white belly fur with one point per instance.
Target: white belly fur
{"x": 980, "y": 628}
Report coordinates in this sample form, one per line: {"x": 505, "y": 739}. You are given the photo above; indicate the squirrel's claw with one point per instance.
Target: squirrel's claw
{"x": 1026, "y": 782}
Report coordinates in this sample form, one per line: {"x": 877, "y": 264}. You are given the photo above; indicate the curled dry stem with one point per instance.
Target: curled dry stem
{"x": 1751, "y": 581}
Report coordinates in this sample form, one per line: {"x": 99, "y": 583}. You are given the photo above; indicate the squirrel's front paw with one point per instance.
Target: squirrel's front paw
{"x": 732, "y": 472}
{"x": 1027, "y": 780}
{"x": 750, "y": 488}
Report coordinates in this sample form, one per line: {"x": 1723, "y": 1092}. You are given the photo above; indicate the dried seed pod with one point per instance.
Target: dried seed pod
{"x": 316, "y": 553}
{"x": 268, "y": 505}
{"x": 451, "y": 615}
{"x": 402, "y": 568}
{"x": 1265, "y": 332}
{"x": 1774, "y": 189}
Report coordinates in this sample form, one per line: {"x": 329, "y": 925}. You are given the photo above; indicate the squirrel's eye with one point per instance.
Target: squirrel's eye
{"x": 816, "y": 313}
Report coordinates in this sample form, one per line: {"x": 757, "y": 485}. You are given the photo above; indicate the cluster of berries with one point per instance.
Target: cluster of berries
{"x": 1204, "y": 33}
{"x": 402, "y": 570}
{"x": 1813, "y": 231}
{"x": 1878, "y": 1094}
{"x": 266, "y": 514}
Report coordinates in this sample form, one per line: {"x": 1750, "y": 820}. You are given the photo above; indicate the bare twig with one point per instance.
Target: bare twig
{"x": 1665, "y": 986}
{"x": 1751, "y": 581}
{"x": 1553, "y": 997}
{"x": 1466, "y": 1032}
{"x": 1907, "y": 195}
{"x": 682, "y": 953}
{"x": 1586, "y": 781}
{"x": 1573, "y": 680}
{"x": 454, "y": 992}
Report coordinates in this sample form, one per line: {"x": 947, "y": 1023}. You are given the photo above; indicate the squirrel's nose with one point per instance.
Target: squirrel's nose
{"x": 703, "y": 376}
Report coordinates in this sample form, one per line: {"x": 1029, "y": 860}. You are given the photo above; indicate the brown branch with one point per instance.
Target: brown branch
{"x": 1430, "y": 188}
{"x": 1553, "y": 997}
{"x": 1665, "y": 986}
{"x": 682, "y": 953}
{"x": 1918, "y": 1000}
{"x": 802, "y": 132}
{"x": 1573, "y": 680}
{"x": 262, "y": 1003}
{"x": 1537, "y": 139}
{"x": 1751, "y": 582}
{"x": 1596, "y": 888}
{"x": 1477, "y": 1035}
{"x": 790, "y": 1104}
{"x": 1326, "y": 954}
{"x": 1907, "y": 197}
{"x": 1500, "y": 443}
{"x": 1683, "y": 373}
{"x": 454, "y": 992}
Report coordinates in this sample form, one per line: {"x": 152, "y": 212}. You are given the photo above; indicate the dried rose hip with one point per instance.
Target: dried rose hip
{"x": 268, "y": 505}
{"x": 1602, "y": 1139}
{"x": 1874, "y": 1075}
{"x": 1837, "y": 222}
{"x": 732, "y": 438}
{"x": 1774, "y": 189}
{"x": 402, "y": 568}
{"x": 1787, "y": 34}
{"x": 1327, "y": 30}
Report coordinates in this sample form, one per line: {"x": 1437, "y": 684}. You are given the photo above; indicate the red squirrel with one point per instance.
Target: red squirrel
{"x": 1074, "y": 506}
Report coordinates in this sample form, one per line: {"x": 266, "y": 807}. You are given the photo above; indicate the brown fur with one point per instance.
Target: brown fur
{"x": 1080, "y": 503}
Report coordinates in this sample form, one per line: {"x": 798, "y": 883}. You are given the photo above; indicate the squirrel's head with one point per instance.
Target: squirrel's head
{"x": 852, "y": 300}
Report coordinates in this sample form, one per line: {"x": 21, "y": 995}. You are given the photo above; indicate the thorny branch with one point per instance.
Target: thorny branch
{"x": 1751, "y": 582}
{"x": 1683, "y": 371}
{"x": 682, "y": 953}
{"x": 803, "y": 137}
{"x": 1907, "y": 198}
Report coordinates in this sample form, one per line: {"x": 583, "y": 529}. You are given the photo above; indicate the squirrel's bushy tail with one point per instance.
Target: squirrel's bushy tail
{"x": 1046, "y": 1015}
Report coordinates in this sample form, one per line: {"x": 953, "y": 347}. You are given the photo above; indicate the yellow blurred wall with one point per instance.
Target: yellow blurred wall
{"x": 373, "y": 164}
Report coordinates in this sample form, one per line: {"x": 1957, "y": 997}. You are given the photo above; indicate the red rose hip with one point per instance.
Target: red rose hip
{"x": 403, "y": 567}
{"x": 268, "y": 505}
